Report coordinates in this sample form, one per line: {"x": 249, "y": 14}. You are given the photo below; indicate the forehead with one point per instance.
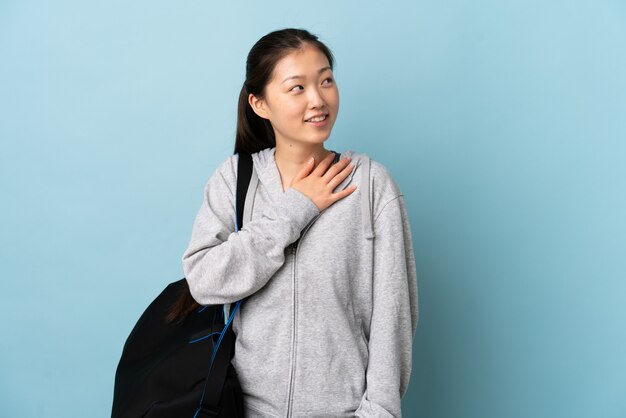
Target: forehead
{"x": 305, "y": 62}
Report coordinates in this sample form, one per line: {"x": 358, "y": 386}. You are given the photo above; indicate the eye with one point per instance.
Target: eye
{"x": 295, "y": 87}
{"x": 329, "y": 80}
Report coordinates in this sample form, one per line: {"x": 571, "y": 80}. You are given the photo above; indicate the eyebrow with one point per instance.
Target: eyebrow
{"x": 301, "y": 76}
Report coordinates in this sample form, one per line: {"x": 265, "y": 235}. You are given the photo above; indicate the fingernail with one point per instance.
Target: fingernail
{"x": 311, "y": 160}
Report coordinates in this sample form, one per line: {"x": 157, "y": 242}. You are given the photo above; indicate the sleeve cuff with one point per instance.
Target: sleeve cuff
{"x": 298, "y": 207}
{"x": 369, "y": 409}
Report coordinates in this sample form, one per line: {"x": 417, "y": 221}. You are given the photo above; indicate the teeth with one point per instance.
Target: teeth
{"x": 317, "y": 119}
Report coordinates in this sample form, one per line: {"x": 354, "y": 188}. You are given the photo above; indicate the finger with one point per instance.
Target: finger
{"x": 343, "y": 193}
{"x": 304, "y": 171}
{"x": 341, "y": 176}
{"x": 323, "y": 165}
{"x": 336, "y": 168}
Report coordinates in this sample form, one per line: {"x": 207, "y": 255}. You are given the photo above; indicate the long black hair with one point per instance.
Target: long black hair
{"x": 253, "y": 132}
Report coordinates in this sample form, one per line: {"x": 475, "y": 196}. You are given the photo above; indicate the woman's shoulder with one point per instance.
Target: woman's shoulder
{"x": 224, "y": 176}
{"x": 226, "y": 171}
{"x": 380, "y": 176}
{"x": 377, "y": 168}
{"x": 383, "y": 187}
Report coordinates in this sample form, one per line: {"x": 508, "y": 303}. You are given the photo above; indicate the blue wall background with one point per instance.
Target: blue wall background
{"x": 503, "y": 123}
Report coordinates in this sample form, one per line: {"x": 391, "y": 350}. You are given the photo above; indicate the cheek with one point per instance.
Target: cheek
{"x": 332, "y": 98}
{"x": 290, "y": 109}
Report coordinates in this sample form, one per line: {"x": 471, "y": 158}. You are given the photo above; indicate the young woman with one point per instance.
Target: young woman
{"x": 327, "y": 325}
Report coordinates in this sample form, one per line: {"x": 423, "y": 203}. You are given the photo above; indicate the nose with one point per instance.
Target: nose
{"x": 316, "y": 100}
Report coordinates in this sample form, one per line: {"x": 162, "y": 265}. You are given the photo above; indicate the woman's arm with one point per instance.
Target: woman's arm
{"x": 394, "y": 313}
{"x": 222, "y": 266}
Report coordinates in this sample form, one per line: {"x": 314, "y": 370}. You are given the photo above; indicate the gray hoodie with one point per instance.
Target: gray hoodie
{"x": 327, "y": 326}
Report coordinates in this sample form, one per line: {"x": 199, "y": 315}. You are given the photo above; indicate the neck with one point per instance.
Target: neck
{"x": 291, "y": 158}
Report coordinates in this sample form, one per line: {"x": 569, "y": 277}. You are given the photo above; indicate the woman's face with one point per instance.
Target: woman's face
{"x": 302, "y": 88}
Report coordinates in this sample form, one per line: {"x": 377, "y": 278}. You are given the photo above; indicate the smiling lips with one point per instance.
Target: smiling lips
{"x": 318, "y": 118}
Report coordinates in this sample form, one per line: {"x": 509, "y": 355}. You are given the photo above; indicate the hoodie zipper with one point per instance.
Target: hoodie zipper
{"x": 294, "y": 328}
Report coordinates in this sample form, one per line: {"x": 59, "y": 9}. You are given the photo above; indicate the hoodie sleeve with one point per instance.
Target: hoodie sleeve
{"x": 394, "y": 313}
{"x": 224, "y": 266}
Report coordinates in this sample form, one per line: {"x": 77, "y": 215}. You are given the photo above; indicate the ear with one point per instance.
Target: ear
{"x": 258, "y": 105}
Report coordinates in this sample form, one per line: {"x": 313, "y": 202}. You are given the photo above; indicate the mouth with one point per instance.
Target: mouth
{"x": 318, "y": 118}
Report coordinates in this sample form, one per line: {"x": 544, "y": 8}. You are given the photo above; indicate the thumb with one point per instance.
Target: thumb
{"x": 306, "y": 170}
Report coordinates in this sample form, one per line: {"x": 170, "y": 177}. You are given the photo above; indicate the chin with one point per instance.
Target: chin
{"x": 319, "y": 140}
{"x": 315, "y": 138}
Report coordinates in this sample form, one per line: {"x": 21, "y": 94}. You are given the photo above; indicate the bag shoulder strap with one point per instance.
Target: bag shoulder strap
{"x": 247, "y": 182}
